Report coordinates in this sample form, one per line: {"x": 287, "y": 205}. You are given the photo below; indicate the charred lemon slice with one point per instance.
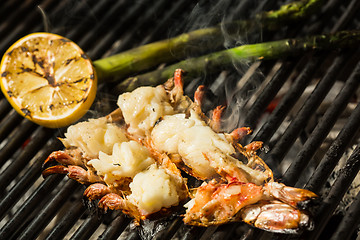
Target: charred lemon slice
{"x": 48, "y": 79}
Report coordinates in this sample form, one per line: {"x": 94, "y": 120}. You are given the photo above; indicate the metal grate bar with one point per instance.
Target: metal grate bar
{"x": 49, "y": 210}
{"x": 116, "y": 227}
{"x": 351, "y": 11}
{"x": 169, "y": 232}
{"x": 222, "y": 232}
{"x": 8, "y": 124}
{"x": 22, "y": 216}
{"x": 188, "y": 232}
{"x": 268, "y": 94}
{"x": 319, "y": 134}
{"x": 16, "y": 16}
{"x": 346, "y": 228}
{"x": 303, "y": 116}
{"x": 142, "y": 22}
{"x": 87, "y": 228}
{"x": 294, "y": 93}
{"x": 339, "y": 145}
{"x": 16, "y": 139}
{"x": 40, "y": 136}
{"x": 159, "y": 29}
{"x": 82, "y": 26}
{"x": 5, "y": 107}
{"x": 27, "y": 24}
{"x": 29, "y": 177}
{"x": 9, "y": 7}
{"x": 92, "y": 36}
{"x": 133, "y": 236}
{"x": 331, "y": 201}
{"x": 67, "y": 221}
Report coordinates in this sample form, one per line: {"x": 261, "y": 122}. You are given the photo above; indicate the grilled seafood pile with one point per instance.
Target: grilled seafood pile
{"x": 132, "y": 161}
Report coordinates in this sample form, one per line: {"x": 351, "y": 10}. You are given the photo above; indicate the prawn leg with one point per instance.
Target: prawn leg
{"x": 74, "y": 172}
{"x": 252, "y": 147}
{"x": 178, "y": 81}
{"x": 115, "y": 202}
{"x": 199, "y": 96}
{"x": 238, "y": 134}
{"x": 96, "y": 191}
{"x": 66, "y": 157}
{"x": 175, "y": 86}
{"x": 215, "y": 122}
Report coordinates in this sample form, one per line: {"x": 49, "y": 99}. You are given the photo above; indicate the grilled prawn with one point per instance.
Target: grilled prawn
{"x": 131, "y": 160}
{"x": 121, "y": 172}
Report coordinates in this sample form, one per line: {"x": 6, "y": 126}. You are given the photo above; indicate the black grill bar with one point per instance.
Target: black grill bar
{"x": 37, "y": 141}
{"x": 339, "y": 145}
{"x": 24, "y": 183}
{"x": 4, "y": 109}
{"x": 222, "y": 232}
{"x": 346, "y": 229}
{"x": 319, "y": 134}
{"x": 68, "y": 221}
{"x": 17, "y": 137}
{"x": 103, "y": 28}
{"x": 336, "y": 193}
{"x": 269, "y": 93}
{"x": 188, "y": 232}
{"x": 348, "y": 15}
{"x": 44, "y": 216}
{"x": 84, "y": 24}
{"x": 14, "y": 18}
{"x": 109, "y": 19}
{"x": 132, "y": 236}
{"x": 141, "y": 21}
{"x": 115, "y": 228}
{"x": 160, "y": 27}
{"x": 288, "y": 101}
{"x": 8, "y": 124}
{"x": 26, "y": 211}
{"x": 304, "y": 115}
{"x": 88, "y": 227}
{"x": 21, "y": 29}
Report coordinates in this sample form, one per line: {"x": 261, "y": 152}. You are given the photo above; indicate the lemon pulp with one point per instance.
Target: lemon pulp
{"x": 48, "y": 79}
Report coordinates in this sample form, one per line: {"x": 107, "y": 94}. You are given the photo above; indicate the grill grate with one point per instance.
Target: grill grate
{"x": 31, "y": 207}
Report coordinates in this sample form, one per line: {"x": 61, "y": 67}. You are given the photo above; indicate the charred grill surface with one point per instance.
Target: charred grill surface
{"x": 305, "y": 109}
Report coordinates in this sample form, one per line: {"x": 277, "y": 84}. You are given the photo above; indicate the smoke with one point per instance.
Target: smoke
{"x": 240, "y": 83}
{"x": 206, "y": 14}
{"x": 238, "y": 92}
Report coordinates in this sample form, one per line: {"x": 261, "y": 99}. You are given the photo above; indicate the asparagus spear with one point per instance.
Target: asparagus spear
{"x": 216, "y": 61}
{"x": 151, "y": 55}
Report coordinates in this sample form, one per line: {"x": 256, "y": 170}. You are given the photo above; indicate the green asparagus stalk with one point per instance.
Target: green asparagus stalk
{"x": 290, "y": 12}
{"x": 148, "y": 56}
{"x": 216, "y": 61}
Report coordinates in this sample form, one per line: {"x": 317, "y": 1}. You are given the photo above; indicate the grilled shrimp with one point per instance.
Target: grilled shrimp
{"x": 131, "y": 160}
{"x": 199, "y": 148}
{"x": 276, "y": 210}
{"x": 122, "y": 173}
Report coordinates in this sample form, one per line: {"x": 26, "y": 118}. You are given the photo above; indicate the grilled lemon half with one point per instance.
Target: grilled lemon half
{"x": 48, "y": 79}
